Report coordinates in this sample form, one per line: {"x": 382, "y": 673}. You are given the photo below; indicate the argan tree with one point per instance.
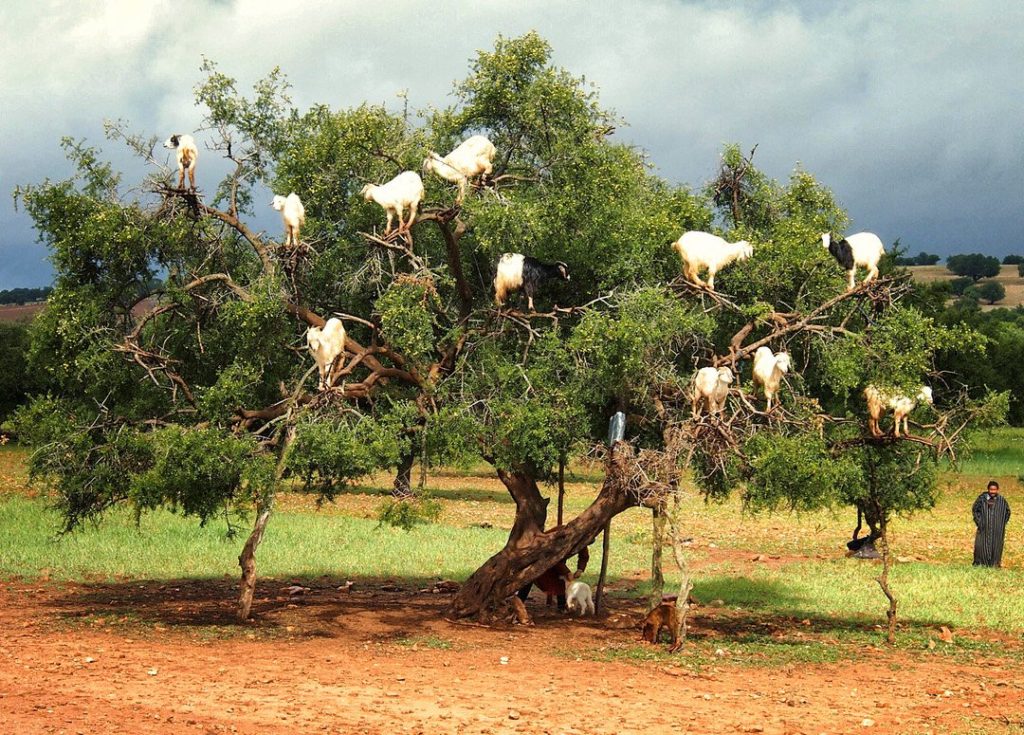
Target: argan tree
{"x": 177, "y": 331}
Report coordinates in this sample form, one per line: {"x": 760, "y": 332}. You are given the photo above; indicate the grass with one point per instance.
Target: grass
{"x": 800, "y": 574}
{"x": 1008, "y": 277}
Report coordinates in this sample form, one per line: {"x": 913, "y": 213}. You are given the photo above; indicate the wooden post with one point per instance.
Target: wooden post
{"x": 561, "y": 487}
{"x": 599, "y": 598}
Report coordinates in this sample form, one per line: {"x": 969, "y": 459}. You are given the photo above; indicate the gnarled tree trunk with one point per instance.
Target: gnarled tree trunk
{"x": 530, "y": 550}
{"x": 403, "y": 476}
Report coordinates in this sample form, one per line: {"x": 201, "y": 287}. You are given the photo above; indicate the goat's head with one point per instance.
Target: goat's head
{"x": 172, "y": 142}
{"x": 313, "y": 338}
{"x": 925, "y": 395}
{"x": 278, "y": 202}
{"x": 367, "y": 191}
{"x": 782, "y": 361}
{"x": 744, "y": 250}
{"x": 826, "y": 239}
{"x": 725, "y": 375}
{"x": 563, "y": 270}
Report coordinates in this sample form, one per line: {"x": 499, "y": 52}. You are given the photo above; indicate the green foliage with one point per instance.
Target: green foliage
{"x": 1020, "y": 269}
{"x": 991, "y": 291}
{"x": 796, "y": 471}
{"x": 1013, "y": 260}
{"x": 200, "y": 471}
{"x": 16, "y": 380}
{"x": 407, "y": 514}
{"x": 330, "y": 451}
{"x": 974, "y": 265}
{"x": 405, "y": 311}
{"x": 960, "y": 285}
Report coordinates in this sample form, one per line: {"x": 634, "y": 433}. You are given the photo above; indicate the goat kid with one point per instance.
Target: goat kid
{"x": 578, "y": 597}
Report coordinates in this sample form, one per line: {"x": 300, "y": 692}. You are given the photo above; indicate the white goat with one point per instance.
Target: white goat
{"x": 186, "y": 153}
{"x": 864, "y": 249}
{"x": 293, "y": 214}
{"x": 878, "y": 401}
{"x": 578, "y": 597}
{"x": 700, "y": 250}
{"x": 710, "y": 387}
{"x": 768, "y": 371}
{"x": 473, "y": 157}
{"x": 405, "y": 191}
{"x": 327, "y": 345}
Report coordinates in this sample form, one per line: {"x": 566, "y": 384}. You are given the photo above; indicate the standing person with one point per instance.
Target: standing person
{"x": 991, "y": 512}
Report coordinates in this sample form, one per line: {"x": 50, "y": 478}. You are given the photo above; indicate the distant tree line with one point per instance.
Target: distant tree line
{"x": 24, "y": 295}
{"x": 921, "y": 258}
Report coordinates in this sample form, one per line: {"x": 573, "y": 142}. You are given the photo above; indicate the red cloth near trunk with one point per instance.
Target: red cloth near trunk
{"x": 552, "y": 582}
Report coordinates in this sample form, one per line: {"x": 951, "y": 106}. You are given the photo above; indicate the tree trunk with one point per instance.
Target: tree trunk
{"x": 604, "y": 567}
{"x": 530, "y": 550}
{"x": 685, "y": 580}
{"x": 403, "y": 476}
{"x": 247, "y": 560}
{"x": 657, "y": 543}
{"x": 883, "y": 580}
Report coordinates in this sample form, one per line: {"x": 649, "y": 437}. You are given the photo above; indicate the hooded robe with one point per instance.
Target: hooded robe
{"x": 991, "y": 512}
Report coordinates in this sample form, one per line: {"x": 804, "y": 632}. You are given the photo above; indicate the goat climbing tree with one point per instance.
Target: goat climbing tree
{"x": 176, "y": 329}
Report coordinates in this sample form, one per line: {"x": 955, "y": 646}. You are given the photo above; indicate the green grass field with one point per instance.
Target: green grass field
{"x": 802, "y": 572}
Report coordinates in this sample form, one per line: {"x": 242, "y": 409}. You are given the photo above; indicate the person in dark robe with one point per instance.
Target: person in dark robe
{"x": 991, "y": 513}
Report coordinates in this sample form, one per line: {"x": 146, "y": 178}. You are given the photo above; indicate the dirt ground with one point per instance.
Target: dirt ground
{"x": 140, "y": 657}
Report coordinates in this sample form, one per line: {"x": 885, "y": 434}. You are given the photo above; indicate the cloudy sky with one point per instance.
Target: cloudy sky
{"x": 910, "y": 110}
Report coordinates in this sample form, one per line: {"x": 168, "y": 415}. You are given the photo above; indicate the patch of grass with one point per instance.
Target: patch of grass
{"x": 995, "y": 453}
{"x": 956, "y": 595}
{"x": 432, "y": 642}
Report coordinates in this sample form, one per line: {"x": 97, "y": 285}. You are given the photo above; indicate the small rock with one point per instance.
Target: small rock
{"x": 717, "y": 603}
{"x": 867, "y": 722}
{"x": 904, "y": 559}
{"x": 153, "y": 672}
{"x": 513, "y": 715}
{"x": 89, "y": 659}
{"x": 390, "y": 694}
{"x": 754, "y": 728}
{"x": 946, "y": 634}
{"x": 759, "y": 557}
{"x": 720, "y": 652}
{"x": 504, "y": 661}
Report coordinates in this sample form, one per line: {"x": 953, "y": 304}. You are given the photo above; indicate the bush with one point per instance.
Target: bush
{"x": 960, "y": 285}
{"x": 1020, "y": 269}
{"x": 974, "y": 265}
{"x": 991, "y": 291}
{"x": 1013, "y": 260}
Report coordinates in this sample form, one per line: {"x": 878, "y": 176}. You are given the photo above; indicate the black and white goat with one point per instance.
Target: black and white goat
{"x": 186, "y": 153}
{"x": 517, "y": 271}
{"x": 864, "y": 249}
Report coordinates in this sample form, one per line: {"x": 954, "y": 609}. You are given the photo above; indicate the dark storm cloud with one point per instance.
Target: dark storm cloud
{"x": 908, "y": 111}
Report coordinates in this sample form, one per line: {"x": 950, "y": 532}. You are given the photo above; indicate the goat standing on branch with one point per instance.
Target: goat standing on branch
{"x": 702, "y": 250}
{"x": 878, "y": 401}
{"x": 864, "y": 249}
{"x": 403, "y": 192}
{"x": 293, "y": 214}
{"x": 768, "y": 371}
{"x": 473, "y": 157}
{"x": 327, "y": 345}
{"x": 186, "y": 152}
{"x": 517, "y": 271}
{"x": 710, "y": 388}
